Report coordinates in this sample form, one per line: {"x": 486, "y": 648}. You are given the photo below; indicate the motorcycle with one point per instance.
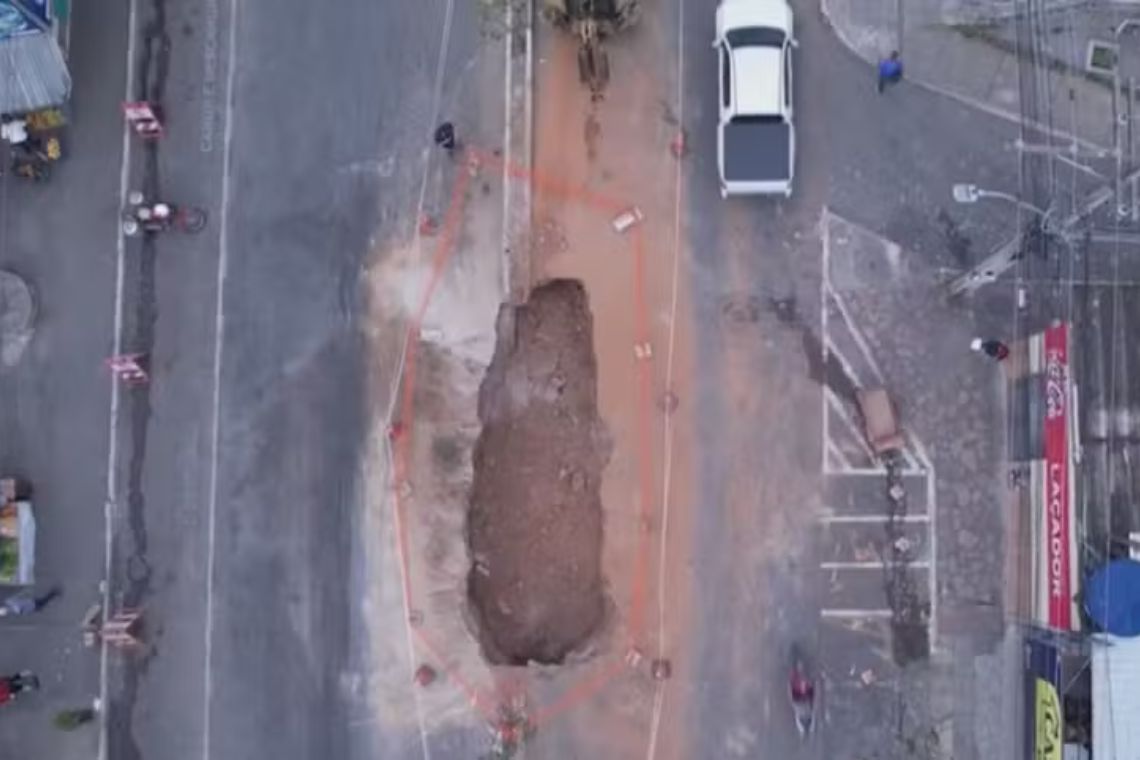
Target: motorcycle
{"x": 142, "y": 216}
{"x": 32, "y": 158}
{"x": 801, "y": 694}
{"x": 14, "y": 685}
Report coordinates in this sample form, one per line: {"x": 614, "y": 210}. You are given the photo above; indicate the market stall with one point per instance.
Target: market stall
{"x": 17, "y": 535}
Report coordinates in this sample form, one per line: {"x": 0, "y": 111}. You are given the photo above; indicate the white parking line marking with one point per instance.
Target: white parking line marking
{"x": 856, "y": 334}
{"x": 837, "y": 406}
{"x": 848, "y": 368}
{"x": 932, "y": 509}
{"x": 873, "y": 565}
{"x": 825, "y": 253}
{"x": 835, "y": 460}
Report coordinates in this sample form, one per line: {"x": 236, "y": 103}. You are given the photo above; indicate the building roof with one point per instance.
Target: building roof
{"x": 1116, "y": 697}
{"x": 33, "y": 73}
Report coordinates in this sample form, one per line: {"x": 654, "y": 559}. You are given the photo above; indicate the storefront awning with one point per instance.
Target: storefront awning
{"x": 33, "y": 73}
{"x": 1116, "y": 697}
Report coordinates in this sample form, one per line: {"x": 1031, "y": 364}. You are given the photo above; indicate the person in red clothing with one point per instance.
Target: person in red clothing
{"x": 12, "y": 685}
{"x": 992, "y": 348}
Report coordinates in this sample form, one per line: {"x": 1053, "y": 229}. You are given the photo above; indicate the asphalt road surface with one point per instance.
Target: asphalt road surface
{"x": 244, "y": 509}
{"x": 302, "y": 131}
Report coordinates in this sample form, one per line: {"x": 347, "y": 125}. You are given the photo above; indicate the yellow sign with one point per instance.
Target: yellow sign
{"x": 1048, "y": 715}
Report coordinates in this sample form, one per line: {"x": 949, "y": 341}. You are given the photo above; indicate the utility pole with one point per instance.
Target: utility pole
{"x": 1122, "y": 118}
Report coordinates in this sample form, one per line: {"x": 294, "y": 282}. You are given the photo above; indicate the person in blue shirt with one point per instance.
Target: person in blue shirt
{"x": 890, "y": 70}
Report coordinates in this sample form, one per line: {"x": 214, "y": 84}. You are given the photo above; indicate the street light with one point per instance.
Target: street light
{"x": 966, "y": 193}
{"x": 1120, "y": 119}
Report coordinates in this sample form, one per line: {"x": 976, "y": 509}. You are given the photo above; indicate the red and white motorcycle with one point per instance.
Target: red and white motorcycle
{"x": 142, "y": 216}
{"x": 801, "y": 693}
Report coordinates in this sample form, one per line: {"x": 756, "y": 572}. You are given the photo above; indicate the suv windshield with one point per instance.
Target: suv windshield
{"x": 755, "y": 35}
{"x": 757, "y": 119}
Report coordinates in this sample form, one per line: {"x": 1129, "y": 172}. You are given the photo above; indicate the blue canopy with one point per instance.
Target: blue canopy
{"x": 1112, "y": 598}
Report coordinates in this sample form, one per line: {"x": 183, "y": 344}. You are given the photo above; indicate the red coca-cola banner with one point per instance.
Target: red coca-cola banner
{"x": 1056, "y": 521}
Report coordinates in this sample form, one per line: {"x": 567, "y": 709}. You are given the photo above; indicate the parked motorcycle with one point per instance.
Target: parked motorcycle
{"x": 32, "y": 158}
{"x": 16, "y": 684}
{"x": 142, "y": 216}
{"x": 801, "y": 693}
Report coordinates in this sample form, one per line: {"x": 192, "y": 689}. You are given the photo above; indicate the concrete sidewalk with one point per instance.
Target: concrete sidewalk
{"x": 965, "y": 49}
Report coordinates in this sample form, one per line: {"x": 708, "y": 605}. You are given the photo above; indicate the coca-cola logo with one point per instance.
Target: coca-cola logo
{"x": 1054, "y": 385}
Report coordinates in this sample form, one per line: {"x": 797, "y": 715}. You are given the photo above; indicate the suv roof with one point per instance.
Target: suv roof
{"x": 757, "y": 74}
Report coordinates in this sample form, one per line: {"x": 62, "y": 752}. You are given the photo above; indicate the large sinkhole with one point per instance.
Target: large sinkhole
{"x": 534, "y": 525}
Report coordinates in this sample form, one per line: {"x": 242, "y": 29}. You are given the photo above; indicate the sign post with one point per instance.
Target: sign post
{"x": 1057, "y": 520}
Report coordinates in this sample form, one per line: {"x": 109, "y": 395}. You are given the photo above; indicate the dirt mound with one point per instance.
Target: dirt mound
{"x": 535, "y": 520}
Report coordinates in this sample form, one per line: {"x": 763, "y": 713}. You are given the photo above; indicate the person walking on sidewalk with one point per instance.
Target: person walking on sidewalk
{"x": 992, "y": 348}
{"x": 890, "y": 70}
{"x": 25, "y": 603}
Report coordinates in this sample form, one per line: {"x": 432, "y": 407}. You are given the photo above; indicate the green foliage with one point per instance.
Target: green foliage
{"x": 68, "y": 720}
{"x": 9, "y": 559}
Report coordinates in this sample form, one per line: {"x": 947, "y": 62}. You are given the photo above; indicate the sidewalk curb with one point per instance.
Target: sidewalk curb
{"x": 845, "y": 39}
{"x": 518, "y": 153}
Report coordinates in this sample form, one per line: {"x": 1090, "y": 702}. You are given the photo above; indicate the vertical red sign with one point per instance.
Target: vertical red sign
{"x": 1057, "y": 476}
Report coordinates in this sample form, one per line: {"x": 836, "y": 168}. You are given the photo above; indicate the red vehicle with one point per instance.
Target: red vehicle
{"x": 144, "y": 216}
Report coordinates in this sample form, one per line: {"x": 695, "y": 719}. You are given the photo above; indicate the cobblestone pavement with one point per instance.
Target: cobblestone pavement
{"x": 894, "y": 327}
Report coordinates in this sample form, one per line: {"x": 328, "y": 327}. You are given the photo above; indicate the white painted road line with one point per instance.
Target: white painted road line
{"x": 919, "y": 564}
{"x": 825, "y": 254}
{"x": 667, "y": 454}
{"x": 832, "y": 454}
{"x": 856, "y": 335}
{"x": 848, "y": 368}
{"x": 932, "y": 508}
{"x": 836, "y": 406}
{"x": 216, "y": 402}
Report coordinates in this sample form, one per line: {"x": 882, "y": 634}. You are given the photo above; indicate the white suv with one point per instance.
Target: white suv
{"x": 756, "y": 141}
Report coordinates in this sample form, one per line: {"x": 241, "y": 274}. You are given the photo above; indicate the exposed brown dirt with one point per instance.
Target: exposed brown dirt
{"x": 535, "y": 520}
